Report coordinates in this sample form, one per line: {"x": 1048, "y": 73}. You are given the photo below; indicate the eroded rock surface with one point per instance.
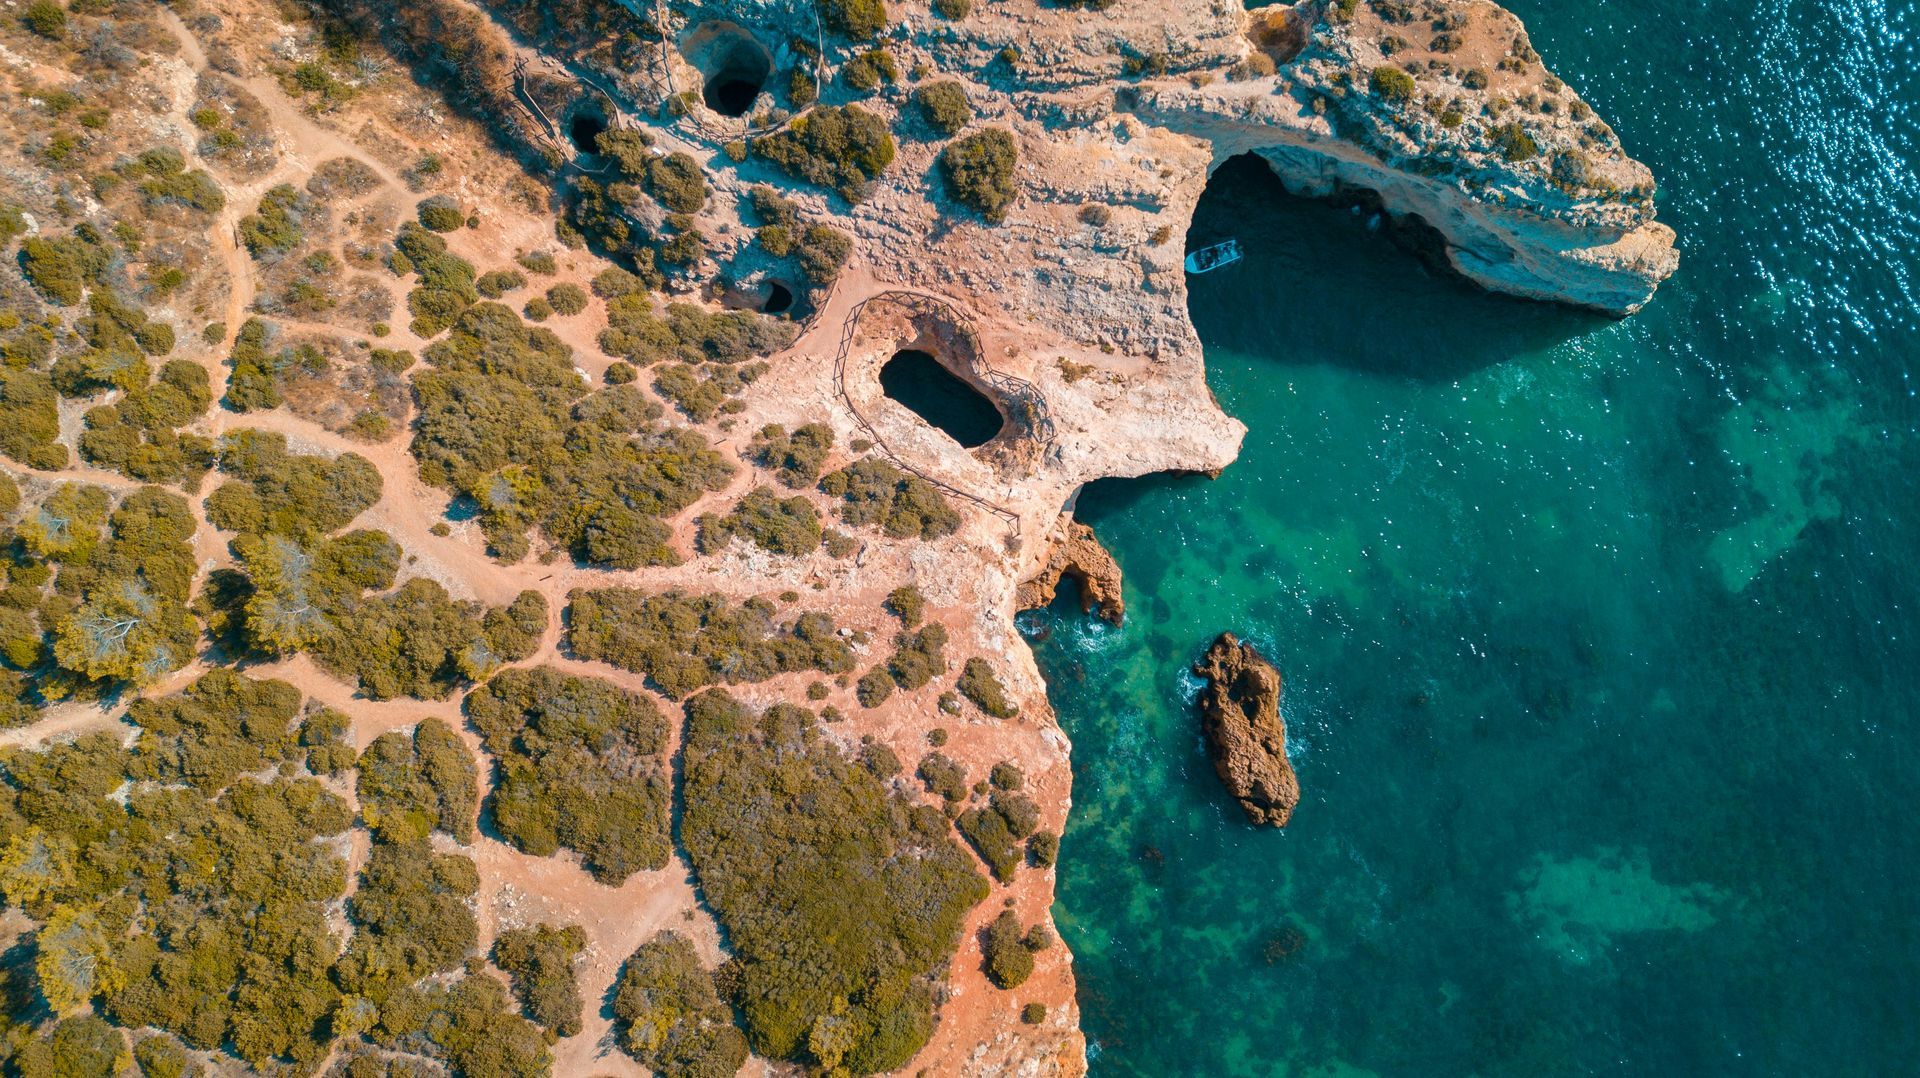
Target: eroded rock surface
{"x": 1078, "y": 554}
{"x": 1246, "y": 737}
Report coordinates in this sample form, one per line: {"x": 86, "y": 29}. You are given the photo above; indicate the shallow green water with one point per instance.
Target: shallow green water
{"x": 1598, "y": 637}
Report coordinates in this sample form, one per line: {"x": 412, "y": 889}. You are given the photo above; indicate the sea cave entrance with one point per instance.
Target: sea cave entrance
{"x": 732, "y": 64}
{"x": 927, "y": 388}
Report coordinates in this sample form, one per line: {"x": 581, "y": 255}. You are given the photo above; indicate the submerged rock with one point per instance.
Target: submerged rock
{"x": 1240, "y": 717}
{"x": 1078, "y": 554}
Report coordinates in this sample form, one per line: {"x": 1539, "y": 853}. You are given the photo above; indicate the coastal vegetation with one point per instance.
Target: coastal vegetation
{"x": 943, "y": 105}
{"x": 789, "y": 526}
{"x": 686, "y": 642}
{"x": 668, "y": 1015}
{"x": 797, "y": 458}
{"x": 506, "y": 421}
{"x": 792, "y": 840}
{"x": 981, "y": 685}
{"x": 579, "y": 766}
{"x": 539, "y": 961}
{"x": 843, "y": 147}
{"x": 979, "y": 171}
{"x": 875, "y": 493}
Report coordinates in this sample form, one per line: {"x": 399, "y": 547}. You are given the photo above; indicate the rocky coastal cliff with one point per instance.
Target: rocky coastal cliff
{"x": 1246, "y": 737}
{"x": 654, "y": 256}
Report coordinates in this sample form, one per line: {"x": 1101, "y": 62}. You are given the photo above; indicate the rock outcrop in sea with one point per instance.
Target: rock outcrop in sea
{"x": 1246, "y": 737}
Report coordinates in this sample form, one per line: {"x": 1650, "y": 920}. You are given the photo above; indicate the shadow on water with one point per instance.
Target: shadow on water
{"x": 1318, "y": 272}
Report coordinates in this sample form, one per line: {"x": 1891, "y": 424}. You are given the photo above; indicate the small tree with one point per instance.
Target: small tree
{"x": 944, "y": 106}
{"x": 979, "y": 171}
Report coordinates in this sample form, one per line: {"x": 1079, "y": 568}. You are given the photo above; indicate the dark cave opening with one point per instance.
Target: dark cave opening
{"x": 733, "y": 65}
{"x": 779, "y": 298}
{"x": 585, "y": 129}
{"x": 926, "y": 387}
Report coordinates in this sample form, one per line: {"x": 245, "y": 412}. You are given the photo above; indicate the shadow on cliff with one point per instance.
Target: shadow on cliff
{"x": 1333, "y": 282}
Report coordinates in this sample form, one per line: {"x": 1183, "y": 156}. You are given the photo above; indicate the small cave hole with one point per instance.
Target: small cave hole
{"x": 733, "y": 66}
{"x": 779, "y": 298}
{"x": 926, "y": 387}
{"x": 585, "y": 129}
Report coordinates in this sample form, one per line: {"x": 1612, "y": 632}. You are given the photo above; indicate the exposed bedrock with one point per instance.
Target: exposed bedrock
{"x": 1077, "y": 554}
{"x": 1246, "y": 737}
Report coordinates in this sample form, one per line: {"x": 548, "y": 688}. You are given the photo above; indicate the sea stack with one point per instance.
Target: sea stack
{"x": 1240, "y": 716}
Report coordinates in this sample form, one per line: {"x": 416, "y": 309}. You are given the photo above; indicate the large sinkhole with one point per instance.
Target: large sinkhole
{"x": 942, "y": 398}
{"x": 585, "y": 128}
{"x": 733, "y": 66}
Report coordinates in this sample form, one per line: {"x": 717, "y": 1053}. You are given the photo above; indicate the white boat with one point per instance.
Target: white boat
{"x": 1208, "y": 259}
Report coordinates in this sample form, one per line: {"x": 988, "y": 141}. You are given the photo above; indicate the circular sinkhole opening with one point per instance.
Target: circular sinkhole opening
{"x": 733, "y": 66}
{"x": 585, "y": 128}
{"x": 945, "y": 400}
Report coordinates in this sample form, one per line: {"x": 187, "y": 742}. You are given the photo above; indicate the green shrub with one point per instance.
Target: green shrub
{"x": 505, "y": 419}
{"x": 866, "y": 71}
{"x": 979, "y": 684}
{"x": 919, "y": 657}
{"x": 823, "y": 251}
{"x": 788, "y": 526}
{"x": 797, "y": 458}
{"x": 857, "y": 19}
{"x": 164, "y": 178}
{"x": 1513, "y": 142}
{"x": 409, "y": 786}
{"x": 274, "y": 228}
{"x": 1391, "y": 84}
{"x": 496, "y": 283}
{"x": 942, "y": 775}
{"x": 1043, "y": 849}
{"x": 540, "y": 262}
{"x": 580, "y": 766}
{"x": 275, "y": 491}
{"x": 995, "y": 831}
{"x": 46, "y": 18}
{"x": 30, "y": 419}
{"x": 687, "y": 642}
{"x": 1007, "y": 955}
{"x": 907, "y": 604}
{"x": 411, "y": 919}
{"x": 979, "y": 171}
{"x": 567, "y": 299}
{"x": 62, "y": 267}
{"x": 469, "y": 1024}
{"x": 441, "y": 214}
{"x": 1006, "y": 775}
{"x": 841, "y": 147}
{"x": 953, "y": 9}
{"x": 445, "y": 288}
{"x": 539, "y": 961}
{"x": 874, "y": 687}
{"x": 944, "y": 105}
{"x": 792, "y": 841}
{"x": 537, "y": 309}
{"x": 677, "y": 182}
{"x": 668, "y": 1016}
{"x": 688, "y": 333}
{"x": 1033, "y": 1013}
{"x": 415, "y": 641}
{"x": 874, "y": 492}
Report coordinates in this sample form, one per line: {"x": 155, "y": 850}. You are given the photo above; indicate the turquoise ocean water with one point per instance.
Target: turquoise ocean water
{"x": 1599, "y": 637}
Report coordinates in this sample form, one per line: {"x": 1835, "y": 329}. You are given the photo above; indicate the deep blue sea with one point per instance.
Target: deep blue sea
{"x": 1601, "y": 639}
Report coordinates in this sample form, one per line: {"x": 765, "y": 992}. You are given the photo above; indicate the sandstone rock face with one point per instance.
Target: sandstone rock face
{"x": 1240, "y": 717}
{"x": 1078, "y": 554}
